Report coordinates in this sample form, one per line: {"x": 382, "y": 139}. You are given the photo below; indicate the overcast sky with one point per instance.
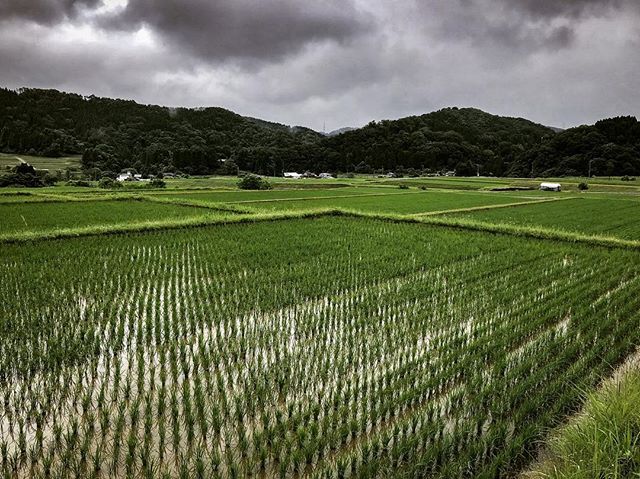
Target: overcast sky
{"x": 339, "y": 62}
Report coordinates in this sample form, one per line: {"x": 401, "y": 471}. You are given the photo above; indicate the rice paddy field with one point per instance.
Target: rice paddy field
{"x": 8, "y": 160}
{"x": 46, "y": 216}
{"x": 606, "y": 216}
{"x": 411, "y": 202}
{"x": 351, "y": 332}
{"x": 231, "y": 196}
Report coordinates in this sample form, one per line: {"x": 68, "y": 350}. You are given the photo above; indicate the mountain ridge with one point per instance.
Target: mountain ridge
{"x": 113, "y": 134}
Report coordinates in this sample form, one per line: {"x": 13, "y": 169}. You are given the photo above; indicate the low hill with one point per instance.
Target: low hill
{"x": 114, "y": 134}
{"x": 610, "y": 147}
{"x": 461, "y": 139}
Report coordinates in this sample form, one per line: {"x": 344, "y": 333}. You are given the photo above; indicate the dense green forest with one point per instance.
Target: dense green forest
{"x": 116, "y": 134}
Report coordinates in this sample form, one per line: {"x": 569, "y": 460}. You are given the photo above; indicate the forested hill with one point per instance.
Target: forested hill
{"x": 116, "y": 134}
{"x": 461, "y": 139}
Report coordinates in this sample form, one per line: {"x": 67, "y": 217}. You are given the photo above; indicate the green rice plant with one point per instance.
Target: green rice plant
{"x": 611, "y": 216}
{"x": 324, "y": 344}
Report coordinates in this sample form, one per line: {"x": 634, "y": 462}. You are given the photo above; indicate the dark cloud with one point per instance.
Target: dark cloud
{"x": 255, "y": 29}
{"x": 343, "y": 62}
{"x": 523, "y": 27}
{"x": 43, "y": 11}
{"x": 566, "y": 8}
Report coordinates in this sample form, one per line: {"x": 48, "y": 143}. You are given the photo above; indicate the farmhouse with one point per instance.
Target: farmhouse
{"x": 550, "y": 187}
{"x": 292, "y": 174}
{"x": 127, "y": 176}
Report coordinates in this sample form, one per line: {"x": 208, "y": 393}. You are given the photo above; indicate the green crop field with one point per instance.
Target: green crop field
{"x": 38, "y": 217}
{"x": 213, "y": 196}
{"x": 606, "y": 216}
{"x": 409, "y": 202}
{"x": 361, "y": 331}
{"x": 328, "y": 347}
{"x": 229, "y": 182}
{"x": 40, "y": 162}
{"x": 615, "y": 185}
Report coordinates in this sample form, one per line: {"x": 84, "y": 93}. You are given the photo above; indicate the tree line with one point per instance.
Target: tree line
{"x": 112, "y": 135}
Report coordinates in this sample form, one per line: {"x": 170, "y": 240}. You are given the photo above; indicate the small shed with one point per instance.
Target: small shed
{"x": 550, "y": 187}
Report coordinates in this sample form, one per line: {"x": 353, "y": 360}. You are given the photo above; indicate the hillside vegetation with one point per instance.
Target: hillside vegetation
{"x": 115, "y": 134}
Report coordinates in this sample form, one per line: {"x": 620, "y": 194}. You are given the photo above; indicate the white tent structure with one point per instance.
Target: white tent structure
{"x": 550, "y": 186}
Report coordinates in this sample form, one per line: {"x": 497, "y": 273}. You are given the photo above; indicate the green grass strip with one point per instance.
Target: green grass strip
{"x": 225, "y": 207}
{"x": 146, "y": 226}
{"x": 37, "y": 197}
{"x": 602, "y": 441}
{"x": 462, "y": 224}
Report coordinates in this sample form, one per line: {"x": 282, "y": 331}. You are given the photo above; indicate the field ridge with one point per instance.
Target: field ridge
{"x": 490, "y": 207}
{"x": 434, "y": 220}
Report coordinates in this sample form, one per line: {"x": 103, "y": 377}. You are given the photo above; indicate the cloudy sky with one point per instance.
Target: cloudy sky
{"x": 334, "y": 62}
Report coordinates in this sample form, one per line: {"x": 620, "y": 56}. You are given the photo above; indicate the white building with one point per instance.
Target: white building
{"x": 127, "y": 176}
{"x": 550, "y": 187}
{"x": 292, "y": 174}
{"x": 326, "y": 176}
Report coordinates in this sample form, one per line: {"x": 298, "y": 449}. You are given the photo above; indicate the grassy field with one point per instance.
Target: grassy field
{"x": 613, "y": 185}
{"x": 332, "y": 347}
{"x": 607, "y": 216}
{"x": 409, "y": 202}
{"x": 330, "y": 332}
{"x": 230, "y": 182}
{"x": 18, "y": 218}
{"x": 40, "y": 162}
{"x": 602, "y": 440}
{"x": 212, "y": 196}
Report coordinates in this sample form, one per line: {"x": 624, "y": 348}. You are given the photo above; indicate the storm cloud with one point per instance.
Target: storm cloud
{"x": 339, "y": 63}
{"x": 221, "y": 29}
{"x": 43, "y": 11}
{"x": 567, "y": 8}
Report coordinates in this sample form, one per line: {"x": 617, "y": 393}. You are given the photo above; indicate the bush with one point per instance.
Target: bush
{"x": 628, "y": 178}
{"x": 26, "y": 175}
{"x": 403, "y": 187}
{"x": 422, "y": 187}
{"x": 78, "y": 183}
{"x": 583, "y": 186}
{"x": 253, "y": 182}
{"x": 157, "y": 183}
{"x": 109, "y": 183}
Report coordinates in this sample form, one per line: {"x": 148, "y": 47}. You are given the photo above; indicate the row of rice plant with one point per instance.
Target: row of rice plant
{"x": 328, "y": 347}
{"x": 618, "y": 217}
